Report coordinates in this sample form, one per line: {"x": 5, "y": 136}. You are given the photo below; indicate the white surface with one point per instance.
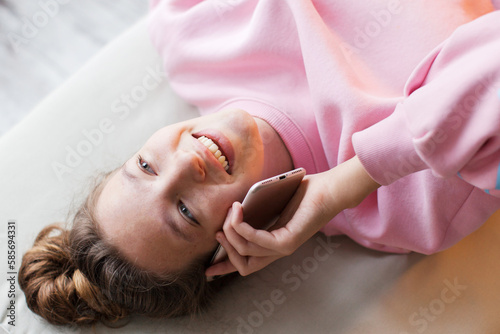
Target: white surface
{"x": 43, "y": 42}
{"x": 327, "y": 286}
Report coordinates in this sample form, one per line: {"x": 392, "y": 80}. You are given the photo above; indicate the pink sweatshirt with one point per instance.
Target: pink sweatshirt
{"x": 411, "y": 87}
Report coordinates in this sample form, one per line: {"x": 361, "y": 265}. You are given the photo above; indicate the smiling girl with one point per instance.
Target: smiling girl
{"x": 399, "y": 136}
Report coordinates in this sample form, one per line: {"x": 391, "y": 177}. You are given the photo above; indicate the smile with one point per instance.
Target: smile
{"x": 214, "y": 148}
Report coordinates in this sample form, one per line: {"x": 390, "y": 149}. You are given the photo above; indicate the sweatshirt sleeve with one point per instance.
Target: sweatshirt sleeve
{"x": 449, "y": 119}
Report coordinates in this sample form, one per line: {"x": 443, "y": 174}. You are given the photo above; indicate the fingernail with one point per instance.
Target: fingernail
{"x": 233, "y": 208}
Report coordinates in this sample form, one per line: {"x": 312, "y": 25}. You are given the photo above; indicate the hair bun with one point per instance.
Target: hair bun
{"x": 54, "y": 288}
{"x": 45, "y": 277}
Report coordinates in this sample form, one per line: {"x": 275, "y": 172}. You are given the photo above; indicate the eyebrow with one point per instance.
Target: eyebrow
{"x": 124, "y": 170}
{"x": 177, "y": 231}
{"x": 171, "y": 224}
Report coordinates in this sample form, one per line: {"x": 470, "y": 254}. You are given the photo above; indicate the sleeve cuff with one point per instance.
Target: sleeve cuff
{"x": 386, "y": 149}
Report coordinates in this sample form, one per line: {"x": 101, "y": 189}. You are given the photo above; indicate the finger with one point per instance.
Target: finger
{"x": 234, "y": 238}
{"x": 279, "y": 236}
{"x": 238, "y": 261}
{"x": 267, "y": 243}
{"x": 245, "y": 247}
{"x": 259, "y": 238}
{"x": 242, "y": 246}
{"x": 245, "y": 265}
{"x": 221, "y": 268}
{"x": 225, "y": 266}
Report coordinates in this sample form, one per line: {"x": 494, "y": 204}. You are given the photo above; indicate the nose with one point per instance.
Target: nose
{"x": 188, "y": 166}
{"x": 182, "y": 173}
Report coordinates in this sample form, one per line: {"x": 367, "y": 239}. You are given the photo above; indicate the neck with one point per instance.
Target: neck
{"x": 277, "y": 159}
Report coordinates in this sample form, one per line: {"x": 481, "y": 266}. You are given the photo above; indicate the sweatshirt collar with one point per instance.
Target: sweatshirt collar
{"x": 293, "y": 137}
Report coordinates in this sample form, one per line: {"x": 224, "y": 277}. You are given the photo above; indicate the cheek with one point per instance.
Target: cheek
{"x": 215, "y": 204}
{"x": 254, "y": 156}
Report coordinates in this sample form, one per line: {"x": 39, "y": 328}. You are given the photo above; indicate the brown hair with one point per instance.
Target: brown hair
{"x": 75, "y": 277}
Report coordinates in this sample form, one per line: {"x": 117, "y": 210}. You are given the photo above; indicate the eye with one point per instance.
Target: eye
{"x": 144, "y": 165}
{"x": 185, "y": 212}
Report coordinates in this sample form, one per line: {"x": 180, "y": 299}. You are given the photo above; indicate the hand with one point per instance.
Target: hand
{"x": 319, "y": 198}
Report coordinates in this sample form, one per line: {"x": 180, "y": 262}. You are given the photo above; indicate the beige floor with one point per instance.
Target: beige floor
{"x": 43, "y": 42}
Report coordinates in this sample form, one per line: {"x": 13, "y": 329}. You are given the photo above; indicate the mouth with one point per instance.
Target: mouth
{"x": 219, "y": 147}
{"x": 214, "y": 148}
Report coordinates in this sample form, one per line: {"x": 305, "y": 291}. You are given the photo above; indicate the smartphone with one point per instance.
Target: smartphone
{"x": 265, "y": 201}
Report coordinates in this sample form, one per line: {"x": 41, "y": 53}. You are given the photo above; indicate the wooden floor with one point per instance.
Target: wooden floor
{"x": 43, "y": 42}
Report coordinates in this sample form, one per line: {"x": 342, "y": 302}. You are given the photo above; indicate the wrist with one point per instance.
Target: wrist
{"x": 352, "y": 183}
{"x": 366, "y": 183}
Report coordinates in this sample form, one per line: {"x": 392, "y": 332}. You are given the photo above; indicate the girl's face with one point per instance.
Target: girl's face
{"x": 162, "y": 208}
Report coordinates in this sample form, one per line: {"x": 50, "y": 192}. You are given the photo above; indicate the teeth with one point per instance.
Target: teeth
{"x": 213, "y": 148}
{"x": 215, "y": 151}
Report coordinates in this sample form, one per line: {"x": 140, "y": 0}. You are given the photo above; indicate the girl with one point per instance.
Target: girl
{"x": 401, "y": 97}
